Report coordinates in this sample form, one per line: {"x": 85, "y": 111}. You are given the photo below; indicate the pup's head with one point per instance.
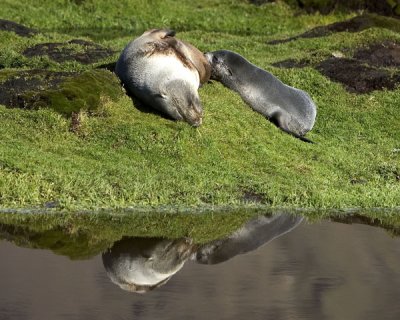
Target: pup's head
{"x": 221, "y": 62}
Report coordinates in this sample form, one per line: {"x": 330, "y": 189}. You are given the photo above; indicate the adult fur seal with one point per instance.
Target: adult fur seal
{"x": 165, "y": 73}
{"x": 290, "y": 109}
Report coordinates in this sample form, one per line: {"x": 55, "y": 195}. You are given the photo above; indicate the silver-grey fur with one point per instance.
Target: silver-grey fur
{"x": 165, "y": 73}
{"x": 291, "y": 109}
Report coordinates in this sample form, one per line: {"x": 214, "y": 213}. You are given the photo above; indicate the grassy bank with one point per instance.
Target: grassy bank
{"x": 119, "y": 156}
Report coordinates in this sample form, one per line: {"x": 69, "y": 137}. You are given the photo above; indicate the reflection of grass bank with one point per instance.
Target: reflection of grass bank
{"x": 84, "y": 235}
{"x": 87, "y": 234}
{"x": 121, "y": 157}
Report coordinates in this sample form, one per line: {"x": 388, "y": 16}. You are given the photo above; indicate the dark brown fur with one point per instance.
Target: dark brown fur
{"x": 189, "y": 55}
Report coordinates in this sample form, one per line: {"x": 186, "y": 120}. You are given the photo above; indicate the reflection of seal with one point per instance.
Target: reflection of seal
{"x": 288, "y": 108}
{"x": 142, "y": 264}
{"x": 165, "y": 73}
{"x": 252, "y": 235}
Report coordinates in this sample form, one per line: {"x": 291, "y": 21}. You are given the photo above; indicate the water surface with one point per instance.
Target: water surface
{"x": 272, "y": 268}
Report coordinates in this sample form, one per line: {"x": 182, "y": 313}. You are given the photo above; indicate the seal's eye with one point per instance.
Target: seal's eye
{"x": 159, "y": 95}
{"x": 214, "y": 59}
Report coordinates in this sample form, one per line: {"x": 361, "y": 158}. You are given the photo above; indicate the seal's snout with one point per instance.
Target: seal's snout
{"x": 209, "y": 57}
{"x": 194, "y": 115}
{"x": 195, "y": 112}
{"x": 184, "y": 102}
{"x": 197, "y": 123}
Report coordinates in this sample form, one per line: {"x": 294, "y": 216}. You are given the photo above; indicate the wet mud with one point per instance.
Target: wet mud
{"x": 385, "y": 54}
{"x": 65, "y": 92}
{"x": 13, "y": 90}
{"x": 356, "y": 76}
{"x": 82, "y": 51}
{"x": 19, "y": 29}
{"x": 253, "y": 197}
{"x": 355, "y": 24}
{"x": 292, "y": 63}
{"x": 382, "y": 7}
{"x": 371, "y": 68}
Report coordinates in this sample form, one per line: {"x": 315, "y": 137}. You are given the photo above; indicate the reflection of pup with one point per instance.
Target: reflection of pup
{"x": 252, "y": 235}
{"x": 142, "y": 264}
{"x": 165, "y": 73}
{"x": 290, "y": 109}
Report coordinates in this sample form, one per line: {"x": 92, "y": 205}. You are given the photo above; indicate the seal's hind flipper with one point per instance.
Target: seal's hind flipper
{"x": 170, "y": 33}
{"x": 305, "y": 139}
{"x": 297, "y": 136}
{"x": 160, "y": 33}
{"x": 278, "y": 119}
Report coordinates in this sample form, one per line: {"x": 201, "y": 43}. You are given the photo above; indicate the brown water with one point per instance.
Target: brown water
{"x": 313, "y": 271}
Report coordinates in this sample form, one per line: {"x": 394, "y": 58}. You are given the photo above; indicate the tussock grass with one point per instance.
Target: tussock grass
{"x": 124, "y": 157}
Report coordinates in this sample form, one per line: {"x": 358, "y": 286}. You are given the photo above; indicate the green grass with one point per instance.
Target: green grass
{"x": 123, "y": 157}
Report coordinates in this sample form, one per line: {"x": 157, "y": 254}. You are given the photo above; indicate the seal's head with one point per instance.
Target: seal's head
{"x": 180, "y": 101}
{"x": 224, "y": 64}
{"x": 144, "y": 264}
{"x": 165, "y": 73}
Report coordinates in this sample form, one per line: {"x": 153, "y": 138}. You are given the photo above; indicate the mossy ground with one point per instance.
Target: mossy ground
{"x": 124, "y": 157}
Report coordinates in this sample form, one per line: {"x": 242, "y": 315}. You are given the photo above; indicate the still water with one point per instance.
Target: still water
{"x": 279, "y": 267}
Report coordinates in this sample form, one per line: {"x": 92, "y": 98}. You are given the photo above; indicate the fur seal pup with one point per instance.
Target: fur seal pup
{"x": 165, "y": 73}
{"x": 290, "y": 109}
